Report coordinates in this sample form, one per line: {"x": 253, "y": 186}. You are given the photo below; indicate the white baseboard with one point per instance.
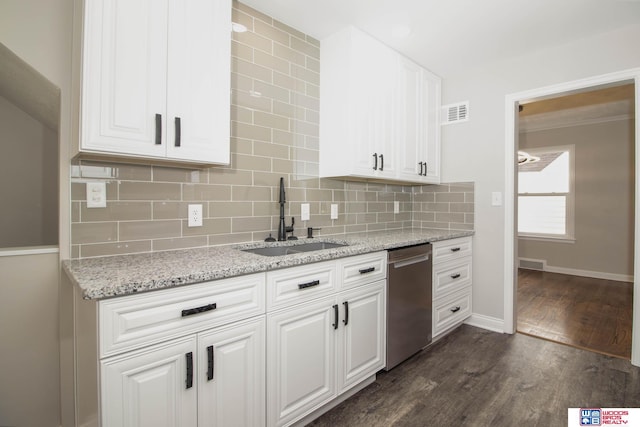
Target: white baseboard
{"x": 486, "y": 322}
{"x": 577, "y": 272}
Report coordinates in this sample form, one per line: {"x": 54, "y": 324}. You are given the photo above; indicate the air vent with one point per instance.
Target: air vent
{"x": 455, "y": 113}
{"x": 532, "y": 264}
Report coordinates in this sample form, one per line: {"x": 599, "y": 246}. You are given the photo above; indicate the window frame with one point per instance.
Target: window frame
{"x": 569, "y": 236}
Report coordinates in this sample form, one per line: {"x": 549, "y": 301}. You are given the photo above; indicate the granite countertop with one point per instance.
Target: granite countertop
{"x": 121, "y": 275}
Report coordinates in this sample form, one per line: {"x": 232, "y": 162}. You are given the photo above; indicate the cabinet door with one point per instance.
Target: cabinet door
{"x": 231, "y": 382}
{"x": 362, "y": 342}
{"x": 150, "y": 388}
{"x": 373, "y": 76}
{"x": 410, "y": 120}
{"x": 300, "y": 360}
{"x": 199, "y": 77}
{"x": 124, "y": 76}
{"x": 431, "y": 124}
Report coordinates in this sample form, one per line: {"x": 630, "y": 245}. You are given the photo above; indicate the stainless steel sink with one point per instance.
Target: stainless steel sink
{"x": 294, "y": 249}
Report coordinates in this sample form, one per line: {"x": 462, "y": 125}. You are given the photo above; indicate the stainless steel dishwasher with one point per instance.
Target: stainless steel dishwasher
{"x": 409, "y": 302}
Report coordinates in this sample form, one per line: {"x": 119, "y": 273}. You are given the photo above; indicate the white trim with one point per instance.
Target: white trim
{"x": 541, "y": 238}
{"x": 486, "y": 322}
{"x": 510, "y": 243}
{"x": 36, "y": 250}
{"x": 576, "y": 271}
{"x": 589, "y": 273}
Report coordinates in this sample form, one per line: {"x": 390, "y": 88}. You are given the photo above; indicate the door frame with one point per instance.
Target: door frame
{"x": 510, "y": 234}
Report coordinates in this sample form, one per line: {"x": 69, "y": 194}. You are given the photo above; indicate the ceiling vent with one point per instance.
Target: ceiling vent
{"x": 455, "y": 113}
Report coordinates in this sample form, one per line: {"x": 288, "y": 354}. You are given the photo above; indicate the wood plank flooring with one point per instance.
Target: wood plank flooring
{"x": 588, "y": 313}
{"x": 477, "y": 378}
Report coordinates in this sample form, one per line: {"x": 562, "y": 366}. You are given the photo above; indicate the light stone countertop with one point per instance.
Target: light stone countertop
{"x": 121, "y": 275}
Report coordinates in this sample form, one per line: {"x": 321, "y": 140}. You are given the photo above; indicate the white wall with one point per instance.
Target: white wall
{"x": 474, "y": 151}
{"x": 604, "y": 199}
{"x": 40, "y": 32}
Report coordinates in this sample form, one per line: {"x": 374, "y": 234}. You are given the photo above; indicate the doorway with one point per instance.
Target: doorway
{"x": 511, "y": 244}
{"x": 575, "y": 199}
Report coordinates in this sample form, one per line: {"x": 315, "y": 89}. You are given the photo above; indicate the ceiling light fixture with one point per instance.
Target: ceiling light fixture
{"x": 524, "y": 157}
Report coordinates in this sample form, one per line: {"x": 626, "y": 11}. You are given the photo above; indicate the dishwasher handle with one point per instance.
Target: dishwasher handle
{"x": 410, "y": 261}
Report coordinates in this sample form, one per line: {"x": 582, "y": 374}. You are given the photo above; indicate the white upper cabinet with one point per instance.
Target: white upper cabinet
{"x": 379, "y": 112}
{"x": 156, "y": 79}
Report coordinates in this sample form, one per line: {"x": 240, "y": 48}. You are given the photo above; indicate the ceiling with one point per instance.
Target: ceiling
{"x": 448, "y": 36}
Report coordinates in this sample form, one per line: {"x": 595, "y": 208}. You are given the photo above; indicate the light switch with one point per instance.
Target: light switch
{"x": 396, "y": 207}
{"x": 304, "y": 211}
{"x": 96, "y": 195}
{"x": 496, "y": 198}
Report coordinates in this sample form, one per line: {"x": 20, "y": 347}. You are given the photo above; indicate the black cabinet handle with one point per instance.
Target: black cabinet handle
{"x": 381, "y": 162}
{"x": 375, "y": 161}
{"x": 455, "y": 276}
{"x": 309, "y": 284}
{"x": 346, "y": 313}
{"x": 178, "y": 132}
{"x": 367, "y": 270}
{"x": 420, "y": 163}
{"x": 456, "y": 308}
{"x": 455, "y": 249}
{"x": 425, "y": 169}
{"x": 209, "y": 363}
{"x": 335, "y": 316}
{"x": 197, "y": 310}
{"x": 158, "y": 129}
{"x": 189, "y": 357}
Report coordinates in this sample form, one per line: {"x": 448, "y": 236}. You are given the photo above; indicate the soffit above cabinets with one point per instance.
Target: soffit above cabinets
{"x": 449, "y": 36}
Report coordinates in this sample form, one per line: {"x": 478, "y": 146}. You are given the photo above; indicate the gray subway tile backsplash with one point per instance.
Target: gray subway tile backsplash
{"x": 275, "y": 125}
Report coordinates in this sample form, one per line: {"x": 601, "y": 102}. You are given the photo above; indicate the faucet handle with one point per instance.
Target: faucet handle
{"x": 310, "y": 232}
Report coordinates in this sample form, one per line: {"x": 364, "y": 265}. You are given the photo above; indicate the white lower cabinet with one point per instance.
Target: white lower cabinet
{"x": 214, "y": 378}
{"x": 318, "y": 350}
{"x": 452, "y": 284}
{"x": 148, "y": 387}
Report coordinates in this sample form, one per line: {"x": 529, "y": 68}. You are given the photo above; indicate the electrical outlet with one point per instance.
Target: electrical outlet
{"x": 334, "y": 211}
{"x": 195, "y": 216}
{"x": 304, "y": 211}
{"x": 96, "y": 195}
{"x": 396, "y": 207}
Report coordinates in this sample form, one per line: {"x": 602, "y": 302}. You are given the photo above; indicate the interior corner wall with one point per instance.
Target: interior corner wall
{"x": 604, "y": 198}
{"x": 475, "y": 150}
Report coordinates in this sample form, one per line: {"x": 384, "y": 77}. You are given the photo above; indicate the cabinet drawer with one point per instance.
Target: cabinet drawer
{"x": 451, "y": 276}
{"x": 451, "y": 310}
{"x": 299, "y": 284}
{"x": 361, "y": 269}
{"x": 447, "y": 250}
{"x": 139, "y": 320}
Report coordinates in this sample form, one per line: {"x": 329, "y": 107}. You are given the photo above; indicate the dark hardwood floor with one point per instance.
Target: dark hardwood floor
{"x": 474, "y": 377}
{"x": 588, "y": 313}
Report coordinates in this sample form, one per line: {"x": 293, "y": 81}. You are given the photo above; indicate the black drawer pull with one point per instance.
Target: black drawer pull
{"x": 381, "y": 162}
{"x": 455, "y": 309}
{"x": 455, "y": 249}
{"x": 367, "y": 270}
{"x": 455, "y": 276}
{"x": 335, "y": 316}
{"x": 197, "y": 310}
{"x": 309, "y": 284}
{"x": 189, "y": 357}
{"x": 209, "y": 363}
{"x": 375, "y": 159}
{"x": 421, "y": 168}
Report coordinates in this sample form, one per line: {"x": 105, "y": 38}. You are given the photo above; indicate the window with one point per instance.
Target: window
{"x": 546, "y": 194}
